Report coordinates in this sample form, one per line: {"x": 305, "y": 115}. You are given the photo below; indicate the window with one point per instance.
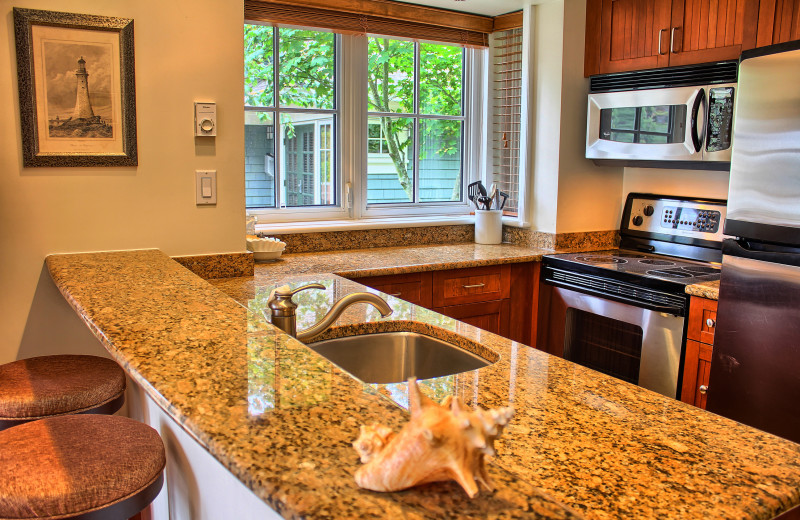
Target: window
{"x": 409, "y": 139}
{"x": 415, "y": 122}
{"x": 290, "y": 83}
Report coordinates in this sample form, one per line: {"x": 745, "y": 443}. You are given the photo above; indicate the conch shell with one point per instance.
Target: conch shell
{"x": 440, "y": 442}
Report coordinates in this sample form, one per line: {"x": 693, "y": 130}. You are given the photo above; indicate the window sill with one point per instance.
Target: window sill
{"x": 320, "y": 226}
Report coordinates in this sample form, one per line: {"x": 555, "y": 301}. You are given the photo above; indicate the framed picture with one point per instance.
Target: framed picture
{"x": 76, "y": 89}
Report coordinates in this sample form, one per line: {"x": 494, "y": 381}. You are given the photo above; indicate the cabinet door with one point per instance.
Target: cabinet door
{"x": 696, "y": 369}
{"x": 634, "y": 34}
{"x": 702, "y": 320}
{"x": 492, "y": 316}
{"x": 711, "y": 30}
{"x": 778, "y": 22}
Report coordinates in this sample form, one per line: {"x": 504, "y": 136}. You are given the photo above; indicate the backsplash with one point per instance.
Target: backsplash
{"x": 366, "y": 238}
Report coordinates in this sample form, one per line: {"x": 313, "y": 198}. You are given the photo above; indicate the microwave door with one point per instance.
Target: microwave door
{"x": 647, "y": 125}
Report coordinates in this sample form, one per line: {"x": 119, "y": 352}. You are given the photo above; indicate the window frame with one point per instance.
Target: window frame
{"x": 327, "y": 212}
{"x": 350, "y": 118}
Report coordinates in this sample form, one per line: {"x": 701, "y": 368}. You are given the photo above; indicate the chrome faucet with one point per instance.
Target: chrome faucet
{"x": 284, "y": 310}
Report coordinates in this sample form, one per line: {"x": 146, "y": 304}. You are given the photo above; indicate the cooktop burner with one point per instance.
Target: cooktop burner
{"x": 600, "y": 259}
{"x": 651, "y": 261}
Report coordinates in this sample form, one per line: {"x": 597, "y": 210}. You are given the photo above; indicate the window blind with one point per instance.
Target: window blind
{"x": 506, "y": 103}
{"x": 375, "y": 17}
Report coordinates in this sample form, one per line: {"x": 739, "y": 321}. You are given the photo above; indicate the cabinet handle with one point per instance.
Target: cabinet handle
{"x": 395, "y": 294}
{"x": 660, "y": 31}
{"x": 474, "y": 286}
{"x": 672, "y": 39}
{"x": 710, "y": 323}
{"x": 703, "y": 389}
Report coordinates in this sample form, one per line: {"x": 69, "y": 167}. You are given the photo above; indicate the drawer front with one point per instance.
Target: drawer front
{"x": 412, "y": 287}
{"x": 478, "y": 284}
{"x": 702, "y": 320}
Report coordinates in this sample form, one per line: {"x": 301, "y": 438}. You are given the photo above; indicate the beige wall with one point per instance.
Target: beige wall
{"x": 690, "y": 183}
{"x": 570, "y": 193}
{"x": 53, "y": 210}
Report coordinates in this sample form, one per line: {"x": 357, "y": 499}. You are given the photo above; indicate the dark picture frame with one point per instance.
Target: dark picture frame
{"x": 61, "y": 56}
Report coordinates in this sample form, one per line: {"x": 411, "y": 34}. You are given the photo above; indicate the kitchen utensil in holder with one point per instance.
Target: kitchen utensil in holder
{"x": 488, "y": 226}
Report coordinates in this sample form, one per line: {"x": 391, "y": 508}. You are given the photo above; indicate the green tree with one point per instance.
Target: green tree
{"x": 307, "y": 61}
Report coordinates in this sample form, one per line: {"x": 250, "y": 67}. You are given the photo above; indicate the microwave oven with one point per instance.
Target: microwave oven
{"x": 667, "y": 122}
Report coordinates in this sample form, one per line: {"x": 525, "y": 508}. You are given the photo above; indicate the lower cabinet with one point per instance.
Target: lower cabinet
{"x": 699, "y": 346}
{"x": 497, "y": 298}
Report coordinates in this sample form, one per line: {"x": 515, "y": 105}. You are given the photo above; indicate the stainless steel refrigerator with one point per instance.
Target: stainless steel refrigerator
{"x": 755, "y": 369}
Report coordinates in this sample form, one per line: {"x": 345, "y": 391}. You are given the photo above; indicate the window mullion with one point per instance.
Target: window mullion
{"x": 417, "y": 135}
{"x": 276, "y": 122}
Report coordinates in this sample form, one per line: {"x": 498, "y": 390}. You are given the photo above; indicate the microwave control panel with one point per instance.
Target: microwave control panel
{"x": 720, "y": 118}
{"x": 678, "y": 218}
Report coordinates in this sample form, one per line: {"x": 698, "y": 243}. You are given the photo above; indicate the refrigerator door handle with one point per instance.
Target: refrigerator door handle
{"x": 697, "y": 139}
{"x": 763, "y": 252}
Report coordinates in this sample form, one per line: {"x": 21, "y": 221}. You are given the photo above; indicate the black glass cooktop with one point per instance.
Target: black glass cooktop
{"x": 642, "y": 264}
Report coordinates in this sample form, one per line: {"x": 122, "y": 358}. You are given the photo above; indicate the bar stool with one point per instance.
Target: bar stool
{"x": 87, "y": 467}
{"x": 48, "y": 386}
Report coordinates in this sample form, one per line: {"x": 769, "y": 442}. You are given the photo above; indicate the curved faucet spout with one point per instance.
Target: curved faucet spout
{"x": 360, "y": 297}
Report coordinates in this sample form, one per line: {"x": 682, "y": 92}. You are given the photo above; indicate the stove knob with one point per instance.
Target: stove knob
{"x": 648, "y": 210}
{"x": 637, "y": 220}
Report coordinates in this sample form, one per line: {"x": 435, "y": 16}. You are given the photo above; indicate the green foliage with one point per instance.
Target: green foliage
{"x": 306, "y": 80}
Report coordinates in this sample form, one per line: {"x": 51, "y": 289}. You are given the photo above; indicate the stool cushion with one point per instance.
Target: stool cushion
{"x": 73, "y": 464}
{"x": 56, "y": 385}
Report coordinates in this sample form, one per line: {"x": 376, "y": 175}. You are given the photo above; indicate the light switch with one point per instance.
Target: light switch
{"x": 206, "y": 187}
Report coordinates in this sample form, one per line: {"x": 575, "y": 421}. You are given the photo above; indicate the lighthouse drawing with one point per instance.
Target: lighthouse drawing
{"x": 83, "y": 122}
{"x": 83, "y": 106}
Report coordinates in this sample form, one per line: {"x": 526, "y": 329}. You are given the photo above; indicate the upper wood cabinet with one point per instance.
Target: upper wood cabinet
{"x": 634, "y": 34}
{"x": 778, "y": 22}
{"x": 645, "y": 34}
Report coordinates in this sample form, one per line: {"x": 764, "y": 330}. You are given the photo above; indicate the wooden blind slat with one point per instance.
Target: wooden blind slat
{"x": 268, "y": 11}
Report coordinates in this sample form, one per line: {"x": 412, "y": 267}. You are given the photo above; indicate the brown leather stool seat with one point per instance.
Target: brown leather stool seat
{"x": 48, "y": 386}
{"x": 79, "y": 466}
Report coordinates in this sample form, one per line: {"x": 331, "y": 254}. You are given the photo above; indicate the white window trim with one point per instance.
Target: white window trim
{"x": 351, "y": 157}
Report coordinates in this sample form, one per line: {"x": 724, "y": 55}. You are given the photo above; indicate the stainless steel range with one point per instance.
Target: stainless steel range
{"x": 623, "y": 311}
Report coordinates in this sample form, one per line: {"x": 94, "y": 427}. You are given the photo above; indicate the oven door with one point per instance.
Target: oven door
{"x": 638, "y": 345}
{"x": 647, "y": 125}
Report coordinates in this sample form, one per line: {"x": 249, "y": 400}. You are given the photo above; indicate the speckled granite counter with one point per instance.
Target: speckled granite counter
{"x": 398, "y": 260}
{"x": 281, "y": 418}
{"x": 708, "y": 290}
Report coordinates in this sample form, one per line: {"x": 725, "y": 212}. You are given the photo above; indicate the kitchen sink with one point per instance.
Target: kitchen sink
{"x": 394, "y": 357}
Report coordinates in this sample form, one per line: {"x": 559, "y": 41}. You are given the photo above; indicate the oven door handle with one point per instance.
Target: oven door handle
{"x": 676, "y": 311}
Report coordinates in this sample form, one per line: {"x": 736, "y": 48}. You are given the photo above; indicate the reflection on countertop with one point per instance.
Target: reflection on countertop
{"x": 281, "y": 418}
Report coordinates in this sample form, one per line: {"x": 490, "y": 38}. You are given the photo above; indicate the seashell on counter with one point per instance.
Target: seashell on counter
{"x": 440, "y": 442}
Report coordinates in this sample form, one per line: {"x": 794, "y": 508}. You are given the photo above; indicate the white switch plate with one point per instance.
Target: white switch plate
{"x": 205, "y": 187}
{"x": 205, "y": 119}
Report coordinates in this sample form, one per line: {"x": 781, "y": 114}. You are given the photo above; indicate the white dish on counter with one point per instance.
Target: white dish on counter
{"x": 265, "y": 248}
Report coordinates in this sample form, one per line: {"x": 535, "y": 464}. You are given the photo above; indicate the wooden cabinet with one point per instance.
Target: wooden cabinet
{"x": 411, "y": 287}
{"x": 497, "y": 298}
{"x": 645, "y": 34}
{"x": 778, "y": 22}
{"x": 699, "y": 344}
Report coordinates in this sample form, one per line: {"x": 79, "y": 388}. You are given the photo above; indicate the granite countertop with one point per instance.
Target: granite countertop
{"x": 281, "y": 418}
{"x": 708, "y": 290}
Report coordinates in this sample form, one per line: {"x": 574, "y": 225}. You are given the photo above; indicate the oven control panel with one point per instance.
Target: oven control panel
{"x": 687, "y": 218}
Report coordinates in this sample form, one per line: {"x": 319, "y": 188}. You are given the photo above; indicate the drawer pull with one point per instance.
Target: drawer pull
{"x": 395, "y": 294}
{"x": 710, "y": 323}
{"x": 703, "y": 389}
{"x": 474, "y": 286}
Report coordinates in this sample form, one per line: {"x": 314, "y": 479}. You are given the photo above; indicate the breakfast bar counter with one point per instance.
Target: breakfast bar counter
{"x": 281, "y": 418}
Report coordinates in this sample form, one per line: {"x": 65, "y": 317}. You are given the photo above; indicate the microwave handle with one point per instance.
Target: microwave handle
{"x": 699, "y": 99}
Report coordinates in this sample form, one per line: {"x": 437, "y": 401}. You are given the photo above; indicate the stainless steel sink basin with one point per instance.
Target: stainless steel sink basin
{"x": 393, "y": 357}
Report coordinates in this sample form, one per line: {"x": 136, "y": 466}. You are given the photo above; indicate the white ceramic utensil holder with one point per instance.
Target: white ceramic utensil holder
{"x": 488, "y": 226}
